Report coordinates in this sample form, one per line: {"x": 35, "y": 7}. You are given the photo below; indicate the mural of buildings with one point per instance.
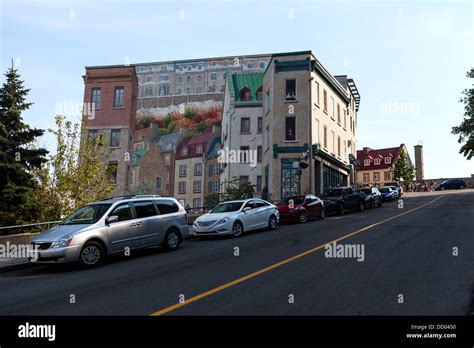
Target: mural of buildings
{"x": 242, "y": 128}
{"x": 212, "y": 170}
{"x": 377, "y": 166}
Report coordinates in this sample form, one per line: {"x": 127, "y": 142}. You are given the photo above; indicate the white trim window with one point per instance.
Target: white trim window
{"x": 183, "y": 170}
{"x": 388, "y": 160}
{"x": 376, "y": 161}
{"x": 366, "y": 162}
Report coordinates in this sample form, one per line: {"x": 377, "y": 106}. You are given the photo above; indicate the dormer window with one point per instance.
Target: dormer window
{"x": 184, "y": 151}
{"x": 259, "y": 93}
{"x": 244, "y": 94}
{"x": 388, "y": 160}
{"x": 199, "y": 149}
{"x": 366, "y": 162}
{"x": 169, "y": 145}
{"x": 376, "y": 161}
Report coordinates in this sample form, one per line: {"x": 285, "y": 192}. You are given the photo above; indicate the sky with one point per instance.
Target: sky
{"x": 408, "y": 58}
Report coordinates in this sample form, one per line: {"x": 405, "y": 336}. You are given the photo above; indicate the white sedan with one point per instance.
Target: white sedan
{"x": 237, "y": 217}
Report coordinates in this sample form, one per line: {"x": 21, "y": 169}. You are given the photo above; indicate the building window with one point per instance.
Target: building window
{"x": 244, "y": 94}
{"x": 197, "y": 169}
{"x": 345, "y": 118}
{"x": 290, "y": 89}
{"x": 259, "y": 154}
{"x": 376, "y": 161}
{"x": 188, "y": 79}
{"x": 366, "y": 177}
{"x": 188, "y": 90}
{"x": 245, "y": 125}
{"x": 95, "y": 99}
{"x": 325, "y": 137}
{"x": 376, "y": 176}
{"x": 179, "y": 91}
{"x": 182, "y": 187}
{"x": 259, "y": 93}
{"x": 199, "y": 90}
{"x": 258, "y": 186}
{"x": 199, "y": 78}
{"x": 213, "y": 186}
{"x": 267, "y": 137}
{"x": 331, "y": 108}
{"x": 366, "y": 162}
{"x": 325, "y": 101}
{"x": 290, "y": 179}
{"x": 317, "y": 93}
{"x": 112, "y": 170}
{"x": 386, "y": 176}
{"x": 268, "y": 101}
{"x": 164, "y": 90}
{"x": 388, "y": 160}
{"x": 338, "y": 146}
{"x": 243, "y": 180}
{"x": 333, "y": 142}
{"x": 316, "y": 131}
{"x": 290, "y": 128}
{"x": 183, "y": 170}
{"x": 163, "y": 78}
{"x": 338, "y": 114}
{"x": 167, "y": 159}
{"x": 115, "y": 138}
{"x": 118, "y": 97}
{"x": 184, "y": 151}
{"x": 159, "y": 182}
{"x": 180, "y": 79}
{"x": 196, "y": 202}
{"x": 259, "y": 125}
{"x": 93, "y": 134}
{"x": 244, "y": 154}
{"x": 199, "y": 149}
{"x": 197, "y": 186}
{"x": 213, "y": 76}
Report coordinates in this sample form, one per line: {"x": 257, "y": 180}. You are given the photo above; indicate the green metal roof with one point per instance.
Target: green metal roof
{"x": 137, "y": 156}
{"x": 253, "y": 81}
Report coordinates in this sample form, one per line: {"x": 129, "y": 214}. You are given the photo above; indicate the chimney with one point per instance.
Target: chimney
{"x": 366, "y": 150}
{"x": 419, "y": 162}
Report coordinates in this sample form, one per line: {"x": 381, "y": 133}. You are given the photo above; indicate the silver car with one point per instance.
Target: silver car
{"x": 237, "y": 217}
{"x": 112, "y": 226}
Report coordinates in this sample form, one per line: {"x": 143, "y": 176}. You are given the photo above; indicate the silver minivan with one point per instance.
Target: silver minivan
{"x": 112, "y": 226}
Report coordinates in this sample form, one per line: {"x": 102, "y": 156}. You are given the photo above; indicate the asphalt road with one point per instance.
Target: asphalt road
{"x": 407, "y": 251}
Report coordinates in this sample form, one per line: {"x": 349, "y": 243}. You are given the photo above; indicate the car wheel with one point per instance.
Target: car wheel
{"x": 322, "y": 215}
{"x": 92, "y": 254}
{"x": 372, "y": 204}
{"x": 171, "y": 241}
{"x": 361, "y": 206}
{"x": 340, "y": 209}
{"x": 237, "y": 229}
{"x": 303, "y": 217}
{"x": 380, "y": 202}
{"x": 462, "y": 187}
{"x": 272, "y": 222}
{"x": 443, "y": 188}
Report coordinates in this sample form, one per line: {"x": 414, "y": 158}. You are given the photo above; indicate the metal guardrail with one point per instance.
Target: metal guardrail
{"x": 21, "y": 228}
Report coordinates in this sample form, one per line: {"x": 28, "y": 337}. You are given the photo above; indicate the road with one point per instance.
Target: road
{"x": 408, "y": 252}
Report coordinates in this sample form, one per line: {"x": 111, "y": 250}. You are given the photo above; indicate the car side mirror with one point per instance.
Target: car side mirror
{"x": 246, "y": 209}
{"x": 112, "y": 219}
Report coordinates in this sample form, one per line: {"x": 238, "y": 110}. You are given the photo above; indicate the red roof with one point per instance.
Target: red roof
{"x": 140, "y": 134}
{"x": 370, "y": 154}
{"x": 192, "y": 143}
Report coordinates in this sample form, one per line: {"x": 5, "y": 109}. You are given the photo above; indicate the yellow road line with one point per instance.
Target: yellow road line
{"x": 281, "y": 263}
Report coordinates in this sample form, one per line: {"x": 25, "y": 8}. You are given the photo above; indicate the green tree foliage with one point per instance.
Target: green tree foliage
{"x": 465, "y": 130}
{"x": 233, "y": 190}
{"x": 77, "y": 174}
{"x": 18, "y": 156}
{"x": 403, "y": 171}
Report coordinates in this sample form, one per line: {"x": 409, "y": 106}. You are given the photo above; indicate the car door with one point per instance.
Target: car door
{"x": 350, "y": 198}
{"x": 249, "y": 217}
{"x": 310, "y": 207}
{"x": 147, "y": 222}
{"x": 262, "y": 215}
{"x": 169, "y": 217}
{"x": 122, "y": 233}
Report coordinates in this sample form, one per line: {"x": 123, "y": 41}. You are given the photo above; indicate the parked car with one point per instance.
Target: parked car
{"x": 109, "y": 227}
{"x": 451, "y": 184}
{"x": 397, "y": 186}
{"x": 388, "y": 193}
{"x": 373, "y": 197}
{"x": 339, "y": 199}
{"x": 237, "y": 217}
{"x": 301, "y": 208}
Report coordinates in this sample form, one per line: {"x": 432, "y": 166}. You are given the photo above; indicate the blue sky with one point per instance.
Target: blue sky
{"x": 408, "y": 58}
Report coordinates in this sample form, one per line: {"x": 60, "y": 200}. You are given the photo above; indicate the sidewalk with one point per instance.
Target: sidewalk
{"x": 10, "y": 264}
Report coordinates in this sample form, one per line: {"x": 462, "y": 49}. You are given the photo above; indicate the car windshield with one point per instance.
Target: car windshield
{"x": 86, "y": 215}
{"x": 226, "y": 207}
{"x": 332, "y": 192}
{"x": 385, "y": 190}
{"x": 296, "y": 200}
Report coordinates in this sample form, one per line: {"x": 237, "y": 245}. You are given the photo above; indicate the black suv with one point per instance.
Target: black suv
{"x": 373, "y": 197}
{"x": 338, "y": 199}
{"x": 396, "y": 185}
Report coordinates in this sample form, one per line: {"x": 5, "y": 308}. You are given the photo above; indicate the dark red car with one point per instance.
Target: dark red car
{"x": 301, "y": 208}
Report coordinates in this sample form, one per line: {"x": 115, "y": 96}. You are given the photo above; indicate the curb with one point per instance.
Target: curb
{"x": 17, "y": 266}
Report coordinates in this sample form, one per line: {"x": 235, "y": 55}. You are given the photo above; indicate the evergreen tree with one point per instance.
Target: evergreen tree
{"x": 403, "y": 169}
{"x": 18, "y": 156}
{"x": 466, "y": 129}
